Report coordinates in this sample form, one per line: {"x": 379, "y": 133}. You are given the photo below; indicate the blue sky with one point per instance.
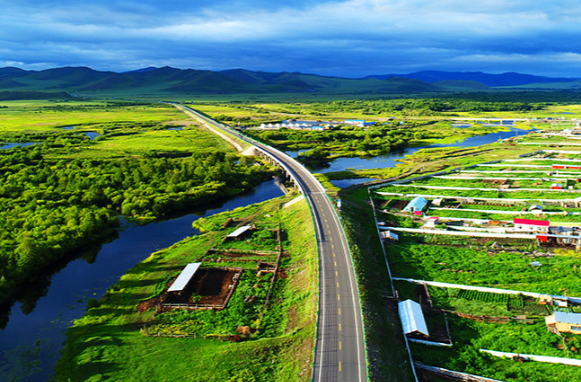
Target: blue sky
{"x": 343, "y": 38}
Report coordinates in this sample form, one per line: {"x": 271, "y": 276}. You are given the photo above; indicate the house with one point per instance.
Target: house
{"x": 556, "y": 186}
{"x": 417, "y": 204}
{"x": 431, "y": 222}
{"x": 355, "y": 122}
{"x": 438, "y": 202}
{"x": 536, "y": 209}
{"x": 547, "y": 299}
{"x": 412, "y": 319}
{"x": 529, "y": 225}
{"x": 565, "y": 322}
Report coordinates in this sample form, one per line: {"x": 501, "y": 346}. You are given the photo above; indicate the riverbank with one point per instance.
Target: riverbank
{"x": 108, "y": 343}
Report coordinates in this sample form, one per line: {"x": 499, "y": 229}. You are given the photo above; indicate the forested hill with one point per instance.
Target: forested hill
{"x": 170, "y": 81}
{"x": 167, "y": 80}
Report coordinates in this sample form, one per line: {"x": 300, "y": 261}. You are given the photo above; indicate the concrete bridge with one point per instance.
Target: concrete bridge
{"x": 288, "y": 175}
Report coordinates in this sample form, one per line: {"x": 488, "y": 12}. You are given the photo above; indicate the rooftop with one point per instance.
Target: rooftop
{"x": 570, "y": 318}
{"x": 184, "y": 278}
{"x": 416, "y": 204}
{"x": 240, "y": 231}
{"x": 412, "y": 318}
{"x": 541, "y": 223}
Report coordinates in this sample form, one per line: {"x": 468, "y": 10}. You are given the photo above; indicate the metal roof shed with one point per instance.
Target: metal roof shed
{"x": 412, "y": 318}
{"x": 239, "y": 231}
{"x": 184, "y": 278}
{"x": 388, "y": 235}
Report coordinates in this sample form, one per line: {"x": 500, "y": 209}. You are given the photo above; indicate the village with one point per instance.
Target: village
{"x": 486, "y": 244}
{"x": 314, "y": 125}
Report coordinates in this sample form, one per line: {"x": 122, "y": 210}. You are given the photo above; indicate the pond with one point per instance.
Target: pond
{"x": 6, "y": 146}
{"x": 30, "y": 343}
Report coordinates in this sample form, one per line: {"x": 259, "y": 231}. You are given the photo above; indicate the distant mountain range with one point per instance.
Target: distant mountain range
{"x": 167, "y": 80}
{"x": 491, "y": 80}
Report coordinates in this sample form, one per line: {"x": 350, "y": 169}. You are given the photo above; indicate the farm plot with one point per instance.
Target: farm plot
{"x": 276, "y": 333}
{"x": 504, "y": 185}
{"x": 209, "y": 288}
{"x": 478, "y": 241}
{"x": 483, "y": 267}
{"x": 443, "y": 191}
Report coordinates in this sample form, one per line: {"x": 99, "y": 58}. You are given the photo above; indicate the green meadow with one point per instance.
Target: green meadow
{"x": 109, "y": 343}
{"x": 46, "y": 115}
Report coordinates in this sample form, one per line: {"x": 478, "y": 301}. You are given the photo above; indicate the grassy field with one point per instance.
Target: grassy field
{"x": 107, "y": 343}
{"x": 47, "y": 115}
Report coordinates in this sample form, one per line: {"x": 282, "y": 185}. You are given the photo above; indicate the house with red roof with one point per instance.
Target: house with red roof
{"x": 530, "y": 225}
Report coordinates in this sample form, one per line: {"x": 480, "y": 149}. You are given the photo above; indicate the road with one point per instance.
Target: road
{"x": 340, "y": 345}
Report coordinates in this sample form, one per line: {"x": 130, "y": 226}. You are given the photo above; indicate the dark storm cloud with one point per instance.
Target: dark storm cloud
{"x": 349, "y": 38}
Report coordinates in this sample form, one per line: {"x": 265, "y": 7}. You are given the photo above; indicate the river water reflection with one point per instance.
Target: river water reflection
{"x": 29, "y": 344}
{"x": 390, "y": 160}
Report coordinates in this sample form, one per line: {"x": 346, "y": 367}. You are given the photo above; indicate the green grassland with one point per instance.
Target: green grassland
{"x": 147, "y": 142}
{"x": 46, "y": 115}
{"x": 107, "y": 343}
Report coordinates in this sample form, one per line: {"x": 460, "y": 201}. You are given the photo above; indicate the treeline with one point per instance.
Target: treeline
{"x": 11, "y": 95}
{"x": 425, "y": 106}
{"x": 348, "y": 141}
{"x": 50, "y": 208}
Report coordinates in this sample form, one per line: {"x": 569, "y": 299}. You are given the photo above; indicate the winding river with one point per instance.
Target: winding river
{"x": 30, "y": 343}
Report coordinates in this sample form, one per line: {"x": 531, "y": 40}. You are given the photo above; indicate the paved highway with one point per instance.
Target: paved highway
{"x": 340, "y": 346}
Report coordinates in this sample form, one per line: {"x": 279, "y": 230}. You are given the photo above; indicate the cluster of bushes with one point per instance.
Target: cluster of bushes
{"x": 51, "y": 208}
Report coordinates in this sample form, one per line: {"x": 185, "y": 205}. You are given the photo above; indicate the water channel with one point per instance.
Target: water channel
{"x": 30, "y": 343}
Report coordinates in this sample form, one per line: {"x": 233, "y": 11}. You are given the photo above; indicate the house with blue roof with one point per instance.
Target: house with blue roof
{"x": 565, "y": 322}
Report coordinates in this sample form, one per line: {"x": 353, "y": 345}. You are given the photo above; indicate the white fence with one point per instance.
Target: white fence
{"x": 460, "y": 233}
{"x": 564, "y": 213}
{"x": 432, "y": 196}
{"x": 538, "y": 358}
{"x": 487, "y": 189}
{"x": 457, "y": 376}
{"x": 438, "y": 284}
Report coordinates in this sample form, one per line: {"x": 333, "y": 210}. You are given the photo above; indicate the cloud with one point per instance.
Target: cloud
{"x": 349, "y": 38}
